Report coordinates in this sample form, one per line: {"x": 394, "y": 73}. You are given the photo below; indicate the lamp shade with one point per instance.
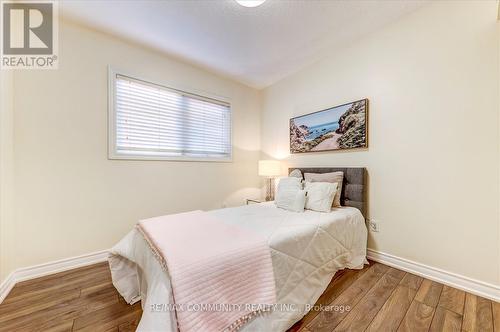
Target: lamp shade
{"x": 269, "y": 168}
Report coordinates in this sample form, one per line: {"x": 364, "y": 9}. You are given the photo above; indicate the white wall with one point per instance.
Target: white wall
{"x": 70, "y": 199}
{"x": 6, "y": 165}
{"x": 433, "y": 156}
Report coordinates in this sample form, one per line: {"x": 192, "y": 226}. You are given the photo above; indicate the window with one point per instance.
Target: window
{"x": 151, "y": 121}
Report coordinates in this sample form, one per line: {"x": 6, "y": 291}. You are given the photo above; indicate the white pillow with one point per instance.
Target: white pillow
{"x": 289, "y": 194}
{"x": 288, "y": 182}
{"x": 291, "y": 200}
{"x": 333, "y": 177}
{"x": 320, "y": 195}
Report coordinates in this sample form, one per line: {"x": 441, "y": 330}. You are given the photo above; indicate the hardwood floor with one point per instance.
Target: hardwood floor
{"x": 377, "y": 298}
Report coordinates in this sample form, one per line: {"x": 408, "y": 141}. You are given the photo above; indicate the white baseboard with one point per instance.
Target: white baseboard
{"x": 32, "y": 272}
{"x": 470, "y": 285}
{"x": 6, "y": 286}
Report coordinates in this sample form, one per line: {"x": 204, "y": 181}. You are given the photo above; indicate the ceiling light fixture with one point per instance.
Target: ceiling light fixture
{"x": 250, "y": 3}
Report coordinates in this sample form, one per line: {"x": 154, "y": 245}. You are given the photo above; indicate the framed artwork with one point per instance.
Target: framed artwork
{"x": 340, "y": 127}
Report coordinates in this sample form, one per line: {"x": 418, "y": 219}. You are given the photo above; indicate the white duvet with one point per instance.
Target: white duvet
{"x": 306, "y": 248}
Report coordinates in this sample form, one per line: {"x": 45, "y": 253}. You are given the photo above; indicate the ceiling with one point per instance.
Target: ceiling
{"x": 255, "y": 46}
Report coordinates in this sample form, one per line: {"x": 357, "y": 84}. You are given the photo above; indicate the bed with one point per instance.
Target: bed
{"x": 307, "y": 249}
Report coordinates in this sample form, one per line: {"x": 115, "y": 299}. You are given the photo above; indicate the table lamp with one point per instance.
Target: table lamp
{"x": 269, "y": 169}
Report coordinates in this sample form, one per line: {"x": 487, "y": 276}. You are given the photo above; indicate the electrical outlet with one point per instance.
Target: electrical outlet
{"x": 373, "y": 226}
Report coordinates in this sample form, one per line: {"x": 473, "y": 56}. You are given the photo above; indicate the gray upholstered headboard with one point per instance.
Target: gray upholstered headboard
{"x": 353, "y": 188}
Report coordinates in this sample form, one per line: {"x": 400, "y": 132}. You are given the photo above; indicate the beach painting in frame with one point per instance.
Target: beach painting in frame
{"x": 336, "y": 128}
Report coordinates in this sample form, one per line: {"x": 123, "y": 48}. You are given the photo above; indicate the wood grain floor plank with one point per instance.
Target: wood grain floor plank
{"x": 418, "y": 318}
{"x": 328, "y": 320}
{"x": 452, "y": 299}
{"x": 478, "y": 314}
{"x": 59, "y": 314}
{"x": 362, "y": 314}
{"x": 393, "y": 311}
{"x": 379, "y": 268}
{"x": 43, "y": 319}
{"x": 429, "y": 293}
{"x": 412, "y": 281}
{"x": 129, "y": 326}
{"x": 305, "y": 329}
{"x": 337, "y": 286}
{"x": 113, "y": 329}
{"x": 107, "y": 317}
{"x": 396, "y": 273}
{"x": 446, "y": 320}
{"x": 496, "y": 316}
{"x": 90, "y": 302}
{"x": 14, "y": 310}
{"x": 66, "y": 326}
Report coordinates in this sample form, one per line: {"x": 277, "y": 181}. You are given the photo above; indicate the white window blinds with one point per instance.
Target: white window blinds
{"x": 156, "y": 121}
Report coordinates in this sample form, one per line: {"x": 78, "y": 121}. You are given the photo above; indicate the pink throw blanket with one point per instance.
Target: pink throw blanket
{"x": 212, "y": 263}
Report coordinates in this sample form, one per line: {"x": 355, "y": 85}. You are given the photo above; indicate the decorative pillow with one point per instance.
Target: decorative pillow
{"x": 294, "y": 183}
{"x": 320, "y": 196}
{"x": 289, "y": 194}
{"x": 287, "y": 183}
{"x": 333, "y": 177}
{"x": 296, "y": 173}
{"x": 291, "y": 200}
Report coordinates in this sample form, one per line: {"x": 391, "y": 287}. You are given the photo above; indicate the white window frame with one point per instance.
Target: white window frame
{"x": 112, "y": 151}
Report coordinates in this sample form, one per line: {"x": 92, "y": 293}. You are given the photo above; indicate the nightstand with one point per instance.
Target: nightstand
{"x": 253, "y": 201}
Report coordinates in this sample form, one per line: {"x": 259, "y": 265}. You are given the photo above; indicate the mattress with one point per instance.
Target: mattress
{"x": 306, "y": 250}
